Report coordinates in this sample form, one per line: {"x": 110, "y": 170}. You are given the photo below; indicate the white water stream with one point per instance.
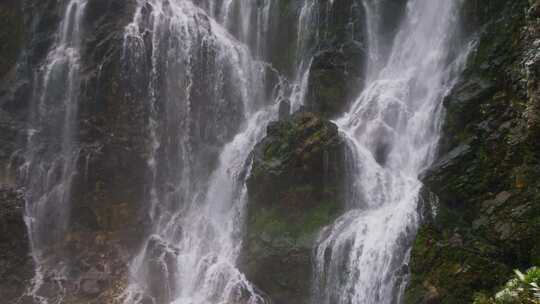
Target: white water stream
{"x": 51, "y": 151}
{"x": 209, "y": 107}
{"x": 392, "y": 130}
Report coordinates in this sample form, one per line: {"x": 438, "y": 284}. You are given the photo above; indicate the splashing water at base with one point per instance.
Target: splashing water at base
{"x": 392, "y": 132}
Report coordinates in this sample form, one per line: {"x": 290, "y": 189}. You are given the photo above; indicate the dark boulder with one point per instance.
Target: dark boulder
{"x": 295, "y": 189}
{"x": 334, "y": 79}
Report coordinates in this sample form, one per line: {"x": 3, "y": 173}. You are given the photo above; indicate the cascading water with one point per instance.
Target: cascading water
{"x": 392, "y": 132}
{"x": 311, "y": 30}
{"x": 209, "y": 105}
{"x": 306, "y": 41}
{"x": 205, "y": 70}
{"x": 52, "y": 151}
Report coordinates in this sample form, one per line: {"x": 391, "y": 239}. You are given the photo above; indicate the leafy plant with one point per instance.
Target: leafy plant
{"x": 523, "y": 288}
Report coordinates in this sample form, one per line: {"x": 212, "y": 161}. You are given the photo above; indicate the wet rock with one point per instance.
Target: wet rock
{"x": 161, "y": 268}
{"x": 534, "y": 11}
{"x": 16, "y": 267}
{"x": 504, "y": 230}
{"x": 334, "y": 79}
{"x": 284, "y": 109}
{"x": 97, "y": 267}
{"x": 295, "y": 189}
{"x": 11, "y": 45}
{"x": 450, "y": 159}
{"x": 432, "y": 296}
{"x": 92, "y": 281}
{"x": 105, "y": 224}
{"x": 11, "y": 42}
{"x": 343, "y": 24}
{"x": 490, "y": 206}
{"x": 486, "y": 178}
{"x": 466, "y": 99}
{"x": 437, "y": 176}
{"x": 90, "y": 287}
{"x": 478, "y": 223}
{"x": 456, "y": 240}
{"x": 10, "y": 130}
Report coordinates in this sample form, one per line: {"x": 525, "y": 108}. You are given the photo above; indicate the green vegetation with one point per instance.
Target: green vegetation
{"x": 295, "y": 189}
{"x": 488, "y": 179}
{"x": 523, "y": 288}
{"x": 305, "y": 224}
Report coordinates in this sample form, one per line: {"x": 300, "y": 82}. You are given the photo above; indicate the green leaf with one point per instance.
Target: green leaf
{"x": 519, "y": 275}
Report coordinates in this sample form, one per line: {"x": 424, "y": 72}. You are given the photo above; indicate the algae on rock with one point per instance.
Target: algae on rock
{"x": 295, "y": 189}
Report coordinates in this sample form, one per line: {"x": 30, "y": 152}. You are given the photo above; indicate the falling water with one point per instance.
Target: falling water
{"x": 208, "y": 103}
{"x": 52, "y": 151}
{"x": 310, "y": 32}
{"x": 306, "y": 40}
{"x": 392, "y": 131}
{"x": 208, "y": 68}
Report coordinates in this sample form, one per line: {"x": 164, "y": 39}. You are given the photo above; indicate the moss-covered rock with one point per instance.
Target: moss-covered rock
{"x": 295, "y": 189}
{"x": 486, "y": 220}
{"x": 334, "y": 79}
{"x": 338, "y": 64}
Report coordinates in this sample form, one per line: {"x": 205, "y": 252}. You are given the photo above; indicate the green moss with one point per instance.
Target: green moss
{"x": 316, "y": 218}
{"x": 445, "y": 269}
{"x": 295, "y": 189}
{"x": 276, "y": 222}
{"x": 477, "y": 237}
{"x": 268, "y": 221}
{"x": 492, "y": 52}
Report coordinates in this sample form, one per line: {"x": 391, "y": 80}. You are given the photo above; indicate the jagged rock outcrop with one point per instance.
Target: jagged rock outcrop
{"x": 485, "y": 221}
{"x": 295, "y": 189}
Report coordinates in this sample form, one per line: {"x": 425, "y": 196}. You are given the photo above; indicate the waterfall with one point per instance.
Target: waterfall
{"x": 211, "y": 80}
{"x": 308, "y": 21}
{"x": 392, "y": 131}
{"x": 205, "y": 71}
{"x": 51, "y": 150}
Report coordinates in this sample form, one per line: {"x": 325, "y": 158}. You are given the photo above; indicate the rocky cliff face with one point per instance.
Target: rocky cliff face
{"x": 482, "y": 215}
{"x": 112, "y": 147}
{"x": 11, "y": 45}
